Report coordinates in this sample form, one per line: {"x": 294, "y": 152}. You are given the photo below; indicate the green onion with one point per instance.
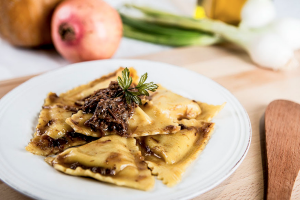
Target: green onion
{"x": 157, "y": 17}
{"x": 154, "y": 28}
{"x": 171, "y": 40}
{"x": 140, "y": 29}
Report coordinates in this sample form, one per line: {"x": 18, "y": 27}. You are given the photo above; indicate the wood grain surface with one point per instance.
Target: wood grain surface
{"x": 282, "y": 129}
{"x": 254, "y": 87}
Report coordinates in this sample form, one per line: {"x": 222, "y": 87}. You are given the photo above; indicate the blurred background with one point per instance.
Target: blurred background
{"x": 16, "y": 61}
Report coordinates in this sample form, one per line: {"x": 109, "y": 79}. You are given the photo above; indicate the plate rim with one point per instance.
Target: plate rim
{"x": 188, "y": 196}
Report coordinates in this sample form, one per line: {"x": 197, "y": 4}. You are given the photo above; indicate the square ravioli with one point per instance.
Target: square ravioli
{"x": 168, "y": 156}
{"x": 113, "y": 159}
{"x": 52, "y": 133}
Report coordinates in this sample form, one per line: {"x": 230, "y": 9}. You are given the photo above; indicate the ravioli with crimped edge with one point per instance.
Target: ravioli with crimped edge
{"x": 113, "y": 159}
{"x": 168, "y": 156}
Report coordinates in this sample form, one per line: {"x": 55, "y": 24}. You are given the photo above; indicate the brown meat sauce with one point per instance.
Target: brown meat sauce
{"x": 203, "y": 130}
{"x": 145, "y": 149}
{"x": 51, "y": 145}
{"x": 110, "y": 110}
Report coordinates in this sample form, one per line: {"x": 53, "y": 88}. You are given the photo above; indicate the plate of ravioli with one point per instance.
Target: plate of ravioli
{"x": 113, "y": 129}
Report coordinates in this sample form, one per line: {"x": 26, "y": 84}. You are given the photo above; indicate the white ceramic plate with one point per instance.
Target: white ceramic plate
{"x": 30, "y": 175}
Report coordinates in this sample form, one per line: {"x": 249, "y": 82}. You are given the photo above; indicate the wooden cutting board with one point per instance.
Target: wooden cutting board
{"x": 254, "y": 87}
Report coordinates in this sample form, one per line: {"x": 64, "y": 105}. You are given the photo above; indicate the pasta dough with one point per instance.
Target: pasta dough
{"x": 174, "y": 105}
{"x": 53, "y": 134}
{"x": 207, "y": 113}
{"x": 168, "y": 156}
{"x": 156, "y": 116}
{"x": 44, "y": 145}
{"x": 112, "y": 159}
{"x": 83, "y": 91}
{"x": 140, "y": 124}
{"x": 53, "y": 115}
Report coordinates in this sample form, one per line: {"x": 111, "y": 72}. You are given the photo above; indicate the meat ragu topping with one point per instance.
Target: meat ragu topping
{"x": 110, "y": 110}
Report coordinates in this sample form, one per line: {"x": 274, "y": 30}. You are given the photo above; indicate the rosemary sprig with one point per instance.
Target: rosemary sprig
{"x": 134, "y": 93}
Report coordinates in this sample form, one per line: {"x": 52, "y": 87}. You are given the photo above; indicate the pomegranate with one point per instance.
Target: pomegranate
{"x": 86, "y": 30}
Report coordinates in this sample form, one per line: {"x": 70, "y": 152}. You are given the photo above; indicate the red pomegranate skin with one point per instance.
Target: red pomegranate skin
{"x": 84, "y": 30}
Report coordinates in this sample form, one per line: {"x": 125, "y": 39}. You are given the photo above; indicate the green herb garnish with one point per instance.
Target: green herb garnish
{"x": 133, "y": 93}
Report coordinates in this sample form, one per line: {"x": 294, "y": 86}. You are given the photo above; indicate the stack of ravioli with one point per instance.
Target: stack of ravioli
{"x": 167, "y": 132}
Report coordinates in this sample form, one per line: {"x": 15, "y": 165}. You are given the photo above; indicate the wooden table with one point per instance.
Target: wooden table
{"x": 254, "y": 87}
